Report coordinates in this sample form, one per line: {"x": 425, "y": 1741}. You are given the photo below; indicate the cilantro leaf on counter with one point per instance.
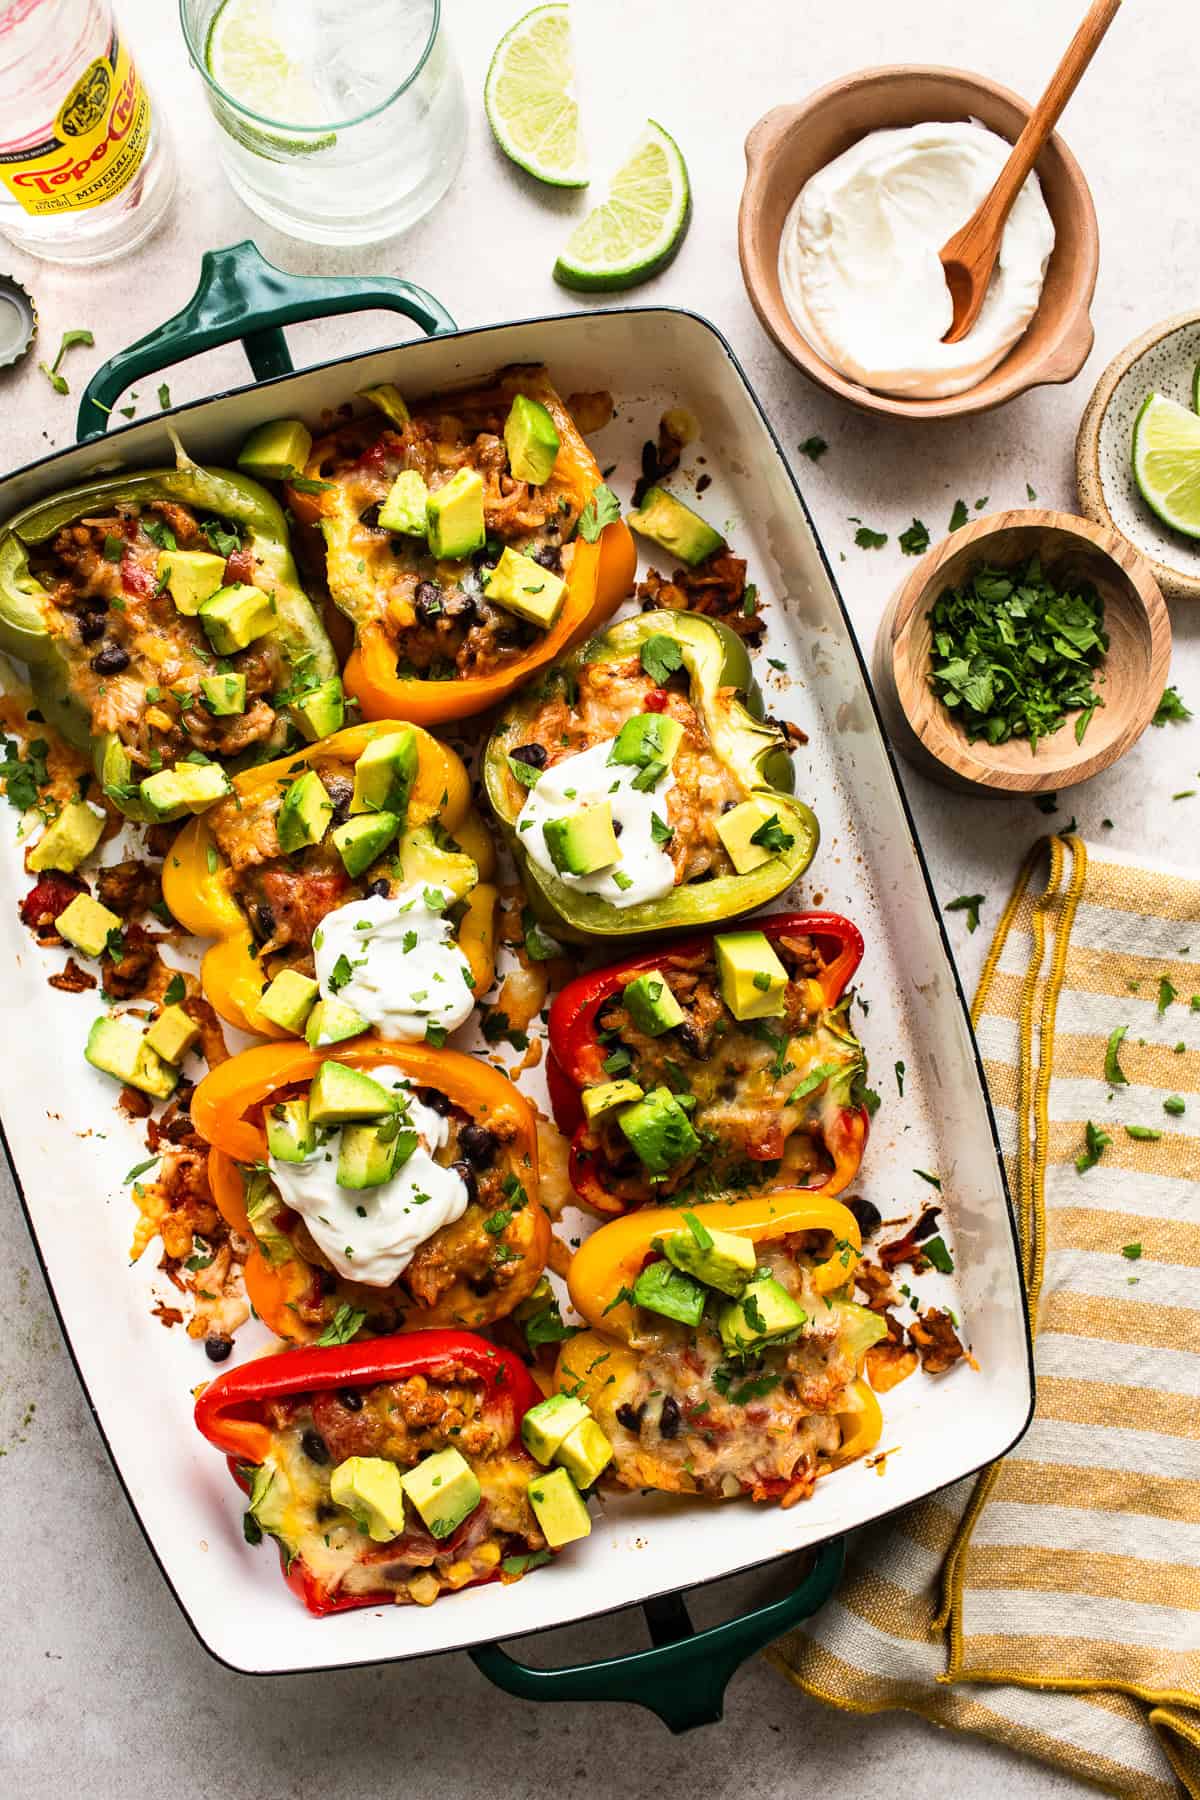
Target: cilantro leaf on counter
{"x": 814, "y": 448}
{"x": 164, "y": 396}
{"x": 1176, "y": 1106}
{"x": 915, "y": 541}
{"x": 1132, "y": 1251}
{"x": 933, "y": 1180}
{"x": 602, "y": 509}
{"x": 1142, "y": 1134}
{"x": 1113, "y": 1072}
{"x": 1166, "y": 993}
{"x": 970, "y": 904}
{"x": 1097, "y": 1142}
{"x": 959, "y": 516}
{"x": 1030, "y": 493}
{"x": 866, "y": 539}
{"x": 1171, "y": 710}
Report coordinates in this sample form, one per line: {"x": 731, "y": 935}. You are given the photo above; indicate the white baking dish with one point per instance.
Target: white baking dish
{"x": 70, "y": 1150}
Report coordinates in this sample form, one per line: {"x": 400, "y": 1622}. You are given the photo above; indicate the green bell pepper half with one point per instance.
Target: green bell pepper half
{"x": 723, "y": 691}
{"x": 27, "y": 613}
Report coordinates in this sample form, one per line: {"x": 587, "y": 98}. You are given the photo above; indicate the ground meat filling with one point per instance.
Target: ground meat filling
{"x": 435, "y": 613}
{"x": 741, "y": 1075}
{"x": 136, "y": 663}
{"x": 717, "y": 588}
{"x": 402, "y": 1421}
{"x": 482, "y": 1249}
{"x": 764, "y": 1425}
{"x": 607, "y": 694}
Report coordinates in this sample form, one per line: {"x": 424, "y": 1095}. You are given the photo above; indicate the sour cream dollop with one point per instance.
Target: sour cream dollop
{"x": 585, "y": 780}
{"x": 394, "y": 960}
{"x": 372, "y": 1234}
{"x": 859, "y": 268}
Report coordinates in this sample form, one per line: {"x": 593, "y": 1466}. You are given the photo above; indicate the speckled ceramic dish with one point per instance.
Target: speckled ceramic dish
{"x": 1163, "y": 358}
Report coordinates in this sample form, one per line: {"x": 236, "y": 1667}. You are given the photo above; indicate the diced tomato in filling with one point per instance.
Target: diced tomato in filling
{"x": 50, "y": 895}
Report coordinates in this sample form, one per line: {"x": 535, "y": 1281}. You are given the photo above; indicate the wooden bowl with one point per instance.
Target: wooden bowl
{"x": 1165, "y": 358}
{"x": 1134, "y": 671}
{"x": 792, "y": 143}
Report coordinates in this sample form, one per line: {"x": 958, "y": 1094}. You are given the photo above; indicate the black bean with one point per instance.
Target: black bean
{"x": 478, "y": 1145}
{"x": 315, "y": 1447}
{"x": 428, "y": 601}
{"x": 111, "y": 660}
{"x": 436, "y": 1100}
{"x": 668, "y": 1418}
{"x": 688, "y": 1038}
{"x": 533, "y": 755}
{"x": 351, "y": 1399}
{"x": 369, "y": 516}
{"x": 728, "y": 805}
{"x": 456, "y": 604}
{"x": 264, "y": 920}
{"x": 867, "y": 1214}
{"x": 630, "y": 1417}
{"x": 91, "y": 627}
{"x": 217, "y": 1348}
{"x": 467, "y": 1176}
{"x": 549, "y": 556}
{"x": 341, "y": 791}
{"x": 379, "y": 890}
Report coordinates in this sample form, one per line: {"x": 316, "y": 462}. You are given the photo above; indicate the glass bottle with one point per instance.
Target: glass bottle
{"x": 86, "y": 170}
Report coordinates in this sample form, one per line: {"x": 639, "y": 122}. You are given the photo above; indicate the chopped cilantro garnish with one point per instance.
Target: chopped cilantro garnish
{"x": 1171, "y": 710}
{"x": 970, "y": 904}
{"x": 1142, "y": 1134}
{"x": 814, "y": 448}
{"x": 602, "y": 509}
{"x": 1113, "y": 1072}
{"x": 915, "y": 541}
{"x": 959, "y": 516}
{"x": 343, "y": 1326}
{"x": 933, "y": 1180}
{"x": 1175, "y": 1106}
{"x": 1097, "y": 1142}
{"x": 174, "y": 991}
{"x": 661, "y": 657}
{"x": 866, "y": 539}
{"x": 771, "y": 835}
{"x": 1132, "y": 1251}
{"x": 934, "y": 1250}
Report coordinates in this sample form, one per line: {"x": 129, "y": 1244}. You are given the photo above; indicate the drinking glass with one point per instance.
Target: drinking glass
{"x": 352, "y": 123}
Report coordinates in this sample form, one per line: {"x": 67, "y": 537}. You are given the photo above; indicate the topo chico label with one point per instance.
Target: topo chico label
{"x": 101, "y": 131}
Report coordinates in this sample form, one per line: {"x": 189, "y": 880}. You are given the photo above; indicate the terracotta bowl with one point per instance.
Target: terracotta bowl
{"x": 792, "y": 143}
{"x": 1165, "y": 357}
{"x": 1134, "y": 673}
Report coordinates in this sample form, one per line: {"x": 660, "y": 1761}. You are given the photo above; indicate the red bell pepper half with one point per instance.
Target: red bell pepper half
{"x": 578, "y": 1050}
{"x": 233, "y": 1411}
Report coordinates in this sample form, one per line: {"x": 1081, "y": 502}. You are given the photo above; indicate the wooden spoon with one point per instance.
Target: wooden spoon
{"x": 970, "y": 255}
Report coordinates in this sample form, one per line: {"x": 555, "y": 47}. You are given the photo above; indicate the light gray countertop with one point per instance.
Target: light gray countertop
{"x": 107, "y": 1694}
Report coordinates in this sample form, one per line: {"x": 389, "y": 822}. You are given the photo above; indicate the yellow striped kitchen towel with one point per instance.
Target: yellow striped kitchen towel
{"x": 1053, "y": 1603}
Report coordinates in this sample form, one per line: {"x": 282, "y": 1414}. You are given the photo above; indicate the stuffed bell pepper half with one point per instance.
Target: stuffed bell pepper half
{"x": 390, "y": 1471}
{"x": 465, "y": 539}
{"x": 382, "y": 1186}
{"x": 725, "y": 1349}
{"x": 713, "y": 1064}
{"x": 346, "y": 888}
{"x": 640, "y": 787}
{"x": 166, "y": 632}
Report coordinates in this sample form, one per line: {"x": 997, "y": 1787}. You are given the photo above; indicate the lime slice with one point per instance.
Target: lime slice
{"x": 640, "y": 226}
{"x": 530, "y": 98}
{"x": 1166, "y": 462}
{"x": 1196, "y": 388}
{"x": 246, "y": 56}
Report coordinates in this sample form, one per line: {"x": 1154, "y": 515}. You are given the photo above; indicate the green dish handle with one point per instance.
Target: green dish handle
{"x": 241, "y": 295}
{"x": 683, "y": 1677}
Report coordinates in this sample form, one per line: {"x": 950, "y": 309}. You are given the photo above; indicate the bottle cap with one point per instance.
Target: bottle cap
{"x": 18, "y": 321}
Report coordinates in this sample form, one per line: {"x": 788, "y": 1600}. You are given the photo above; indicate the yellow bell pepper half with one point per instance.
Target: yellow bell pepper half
{"x": 198, "y": 884}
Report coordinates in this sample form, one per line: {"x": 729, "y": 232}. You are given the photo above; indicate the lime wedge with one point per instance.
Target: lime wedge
{"x": 530, "y": 99}
{"x": 246, "y": 56}
{"x": 1166, "y": 462}
{"x": 1196, "y": 388}
{"x": 641, "y": 225}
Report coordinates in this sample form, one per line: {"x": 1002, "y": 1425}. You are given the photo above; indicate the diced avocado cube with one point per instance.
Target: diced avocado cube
{"x": 858, "y": 1329}
{"x": 421, "y": 859}
{"x": 668, "y": 522}
{"x": 662, "y": 1288}
{"x": 188, "y": 787}
{"x": 117, "y": 1046}
{"x": 650, "y": 1003}
{"x": 583, "y": 841}
{"x": 658, "y": 1128}
{"x": 173, "y": 1034}
{"x": 736, "y": 830}
{"x": 69, "y": 839}
{"x": 763, "y": 1313}
{"x": 368, "y": 1155}
{"x": 454, "y": 516}
{"x": 405, "y": 509}
{"x": 444, "y": 1489}
{"x": 559, "y": 1508}
{"x": 385, "y": 772}
{"x": 531, "y": 438}
{"x": 192, "y": 577}
{"x": 320, "y": 711}
{"x": 339, "y": 1094}
{"x": 370, "y": 1487}
{"x": 725, "y": 1261}
{"x": 597, "y": 1101}
{"x": 86, "y": 924}
{"x": 276, "y": 450}
{"x": 523, "y": 587}
{"x": 305, "y": 813}
{"x": 288, "y": 1000}
{"x": 291, "y": 1134}
{"x": 362, "y": 840}
{"x": 753, "y": 980}
{"x": 388, "y": 400}
{"x": 116, "y": 766}
{"x": 235, "y": 616}
{"x": 332, "y": 1022}
{"x": 585, "y": 1453}
{"x": 647, "y": 738}
{"x": 546, "y": 1425}
{"x": 223, "y": 695}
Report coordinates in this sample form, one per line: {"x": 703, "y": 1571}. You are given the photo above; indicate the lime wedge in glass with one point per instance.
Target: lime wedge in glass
{"x": 1166, "y": 462}
{"x": 530, "y": 99}
{"x": 247, "y": 58}
{"x": 640, "y": 226}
